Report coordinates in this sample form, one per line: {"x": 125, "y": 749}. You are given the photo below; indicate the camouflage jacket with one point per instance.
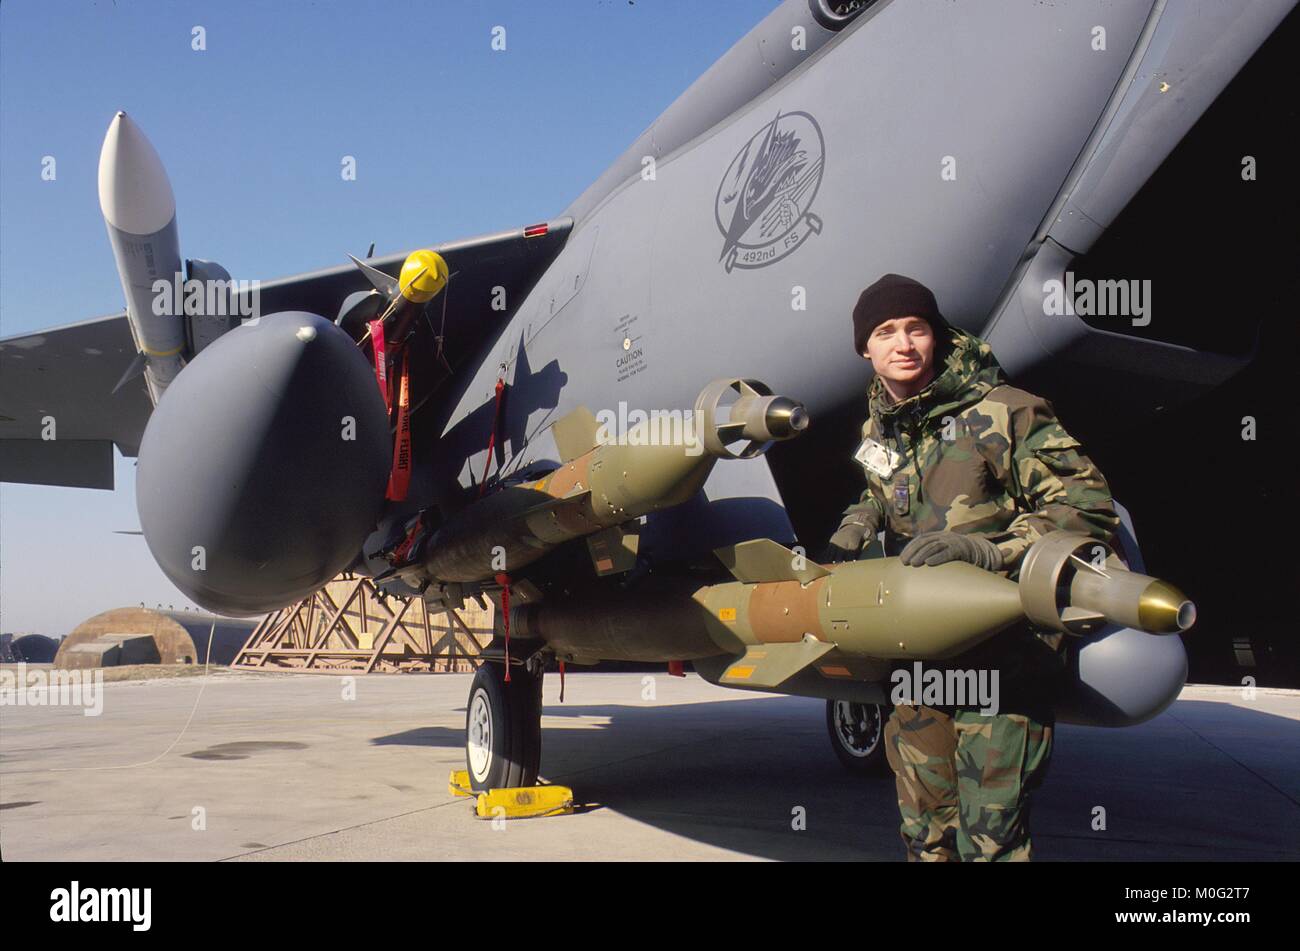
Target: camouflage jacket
{"x": 979, "y": 456}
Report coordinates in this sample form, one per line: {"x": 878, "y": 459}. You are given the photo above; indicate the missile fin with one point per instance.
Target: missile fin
{"x": 388, "y": 286}
{"x": 765, "y": 560}
{"x": 134, "y": 370}
{"x": 555, "y": 503}
{"x": 575, "y": 433}
{"x": 1081, "y": 616}
{"x": 1089, "y": 566}
{"x": 613, "y": 550}
{"x": 770, "y": 665}
{"x": 524, "y": 591}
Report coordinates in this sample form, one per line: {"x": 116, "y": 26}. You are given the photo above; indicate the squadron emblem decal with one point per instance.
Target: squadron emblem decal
{"x": 764, "y": 199}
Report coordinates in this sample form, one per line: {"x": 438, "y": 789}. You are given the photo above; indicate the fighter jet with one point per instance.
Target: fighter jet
{"x": 576, "y": 418}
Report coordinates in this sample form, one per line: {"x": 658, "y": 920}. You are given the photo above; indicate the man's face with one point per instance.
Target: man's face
{"x": 902, "y": 352}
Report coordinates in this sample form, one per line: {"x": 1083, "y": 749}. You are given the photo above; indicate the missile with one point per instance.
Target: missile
{"x": 610, "y": 483}
{"x": 423, "y": 275}
{"x": 262, "y": 473}
{"x": 783, "y": 614}
{"x": 140, "y": 215}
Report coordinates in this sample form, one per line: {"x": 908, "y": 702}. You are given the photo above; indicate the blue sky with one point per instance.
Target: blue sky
{"x": 450, "y": 137}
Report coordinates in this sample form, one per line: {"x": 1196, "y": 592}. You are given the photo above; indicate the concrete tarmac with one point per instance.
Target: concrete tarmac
{"x": 287, "y": 767}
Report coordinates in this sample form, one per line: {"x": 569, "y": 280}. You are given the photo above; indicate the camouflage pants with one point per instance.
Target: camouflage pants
{"x": 964, "y": 782}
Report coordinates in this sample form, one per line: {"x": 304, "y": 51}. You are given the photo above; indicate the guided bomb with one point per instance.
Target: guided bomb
{"x": 604, "y": 486}
{"x": 784, "y": 614}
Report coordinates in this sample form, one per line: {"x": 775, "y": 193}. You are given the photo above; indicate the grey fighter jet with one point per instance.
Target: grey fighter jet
{"x": 573, "y": 417}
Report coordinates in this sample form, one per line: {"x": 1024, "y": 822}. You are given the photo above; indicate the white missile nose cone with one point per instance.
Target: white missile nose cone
{"x": 134, "y": 192}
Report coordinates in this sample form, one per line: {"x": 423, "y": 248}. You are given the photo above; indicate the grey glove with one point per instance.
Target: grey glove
{"x": 936, "y": 548}
{"x": 846, "y": 543}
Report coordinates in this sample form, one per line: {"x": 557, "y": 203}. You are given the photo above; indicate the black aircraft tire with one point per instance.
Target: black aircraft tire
{"x": 525, "y": 692}
{"x": 489, "y": 731}
{"x": 503, "y": 728}
{"x": 865, "y": 756}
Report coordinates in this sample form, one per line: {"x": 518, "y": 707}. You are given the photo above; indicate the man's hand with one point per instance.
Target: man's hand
{"x": 846, "y": 543}
{"x": 936, "y": 548}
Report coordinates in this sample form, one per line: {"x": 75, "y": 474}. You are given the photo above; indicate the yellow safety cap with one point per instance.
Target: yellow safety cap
{"x": 424, "y": 274}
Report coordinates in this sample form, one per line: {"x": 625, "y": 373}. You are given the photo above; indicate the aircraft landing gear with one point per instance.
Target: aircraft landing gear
{"x": 503, "y": 726}
{"x": 857, "y": 733}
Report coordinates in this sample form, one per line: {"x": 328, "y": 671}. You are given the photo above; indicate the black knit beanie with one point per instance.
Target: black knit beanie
{"x": 894, "y": 296}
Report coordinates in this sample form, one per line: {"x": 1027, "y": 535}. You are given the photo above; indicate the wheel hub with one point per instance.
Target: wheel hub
{"x": 857, "y": 727}
{"x": 478, "y": 739}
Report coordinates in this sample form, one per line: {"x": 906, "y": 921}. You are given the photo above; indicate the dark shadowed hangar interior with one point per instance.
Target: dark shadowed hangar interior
{"x": 1210, "y": 507}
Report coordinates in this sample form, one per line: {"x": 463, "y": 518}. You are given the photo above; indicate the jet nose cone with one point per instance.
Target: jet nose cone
{"x": 262, "y": 469}
{"x": 135, "y": 194}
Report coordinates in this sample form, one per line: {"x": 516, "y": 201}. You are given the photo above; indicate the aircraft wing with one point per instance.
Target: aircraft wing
{"x": 69, "y": 394}
{"x": 59, "y": 416}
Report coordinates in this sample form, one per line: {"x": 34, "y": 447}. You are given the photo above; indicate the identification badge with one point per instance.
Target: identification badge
{"x": 876, "y": 458}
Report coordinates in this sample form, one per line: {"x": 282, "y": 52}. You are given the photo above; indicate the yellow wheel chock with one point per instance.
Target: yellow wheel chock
{"x": 522, "y": 802}
{"x": 458, "y": 783}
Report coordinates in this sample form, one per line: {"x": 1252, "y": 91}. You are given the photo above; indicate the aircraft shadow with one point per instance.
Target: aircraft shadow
{"x": 529, "y": 392}
{"x": 1205, "y": 780}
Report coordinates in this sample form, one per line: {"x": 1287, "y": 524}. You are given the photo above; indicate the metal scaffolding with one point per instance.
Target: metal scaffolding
{"x": 351, "y": 626}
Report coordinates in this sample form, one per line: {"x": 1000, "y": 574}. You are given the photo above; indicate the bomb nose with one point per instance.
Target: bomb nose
{"x": 785, "y": 418}
{"x": 1163, "y": 609}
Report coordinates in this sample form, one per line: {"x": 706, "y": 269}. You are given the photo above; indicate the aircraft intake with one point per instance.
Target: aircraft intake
{"x": 263, "y": 467}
